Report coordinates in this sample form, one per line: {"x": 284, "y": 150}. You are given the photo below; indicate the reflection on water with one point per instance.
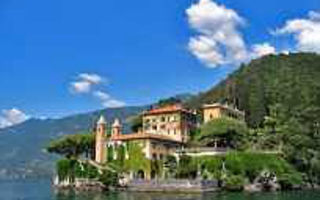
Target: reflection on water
{"x": 132, "y": 196}
{"x": 211, "y": 196}
{"x": 41, "y": 190}
{"x": 298, "y": 195}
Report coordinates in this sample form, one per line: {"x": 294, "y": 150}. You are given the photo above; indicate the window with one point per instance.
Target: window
{"x": 163, "y": 119}
{"x": 147, "y": 127}
{"x": 154, "y": 127}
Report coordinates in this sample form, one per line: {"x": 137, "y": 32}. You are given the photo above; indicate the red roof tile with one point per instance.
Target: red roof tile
{"x": 166, "y": 109}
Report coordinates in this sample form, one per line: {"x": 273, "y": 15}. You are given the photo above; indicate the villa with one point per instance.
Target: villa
{"x": 165, "y": 131}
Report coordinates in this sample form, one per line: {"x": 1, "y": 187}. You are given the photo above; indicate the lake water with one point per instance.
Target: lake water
{"x": 41, "y": 190}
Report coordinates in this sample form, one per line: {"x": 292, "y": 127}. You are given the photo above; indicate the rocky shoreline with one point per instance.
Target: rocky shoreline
{"x": 182, "y": 186}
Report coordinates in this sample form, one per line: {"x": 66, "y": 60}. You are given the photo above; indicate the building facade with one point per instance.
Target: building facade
{"x": 174, "y": 122}
{"x": 217, "y": 110}
{"x": 165, "y": 132}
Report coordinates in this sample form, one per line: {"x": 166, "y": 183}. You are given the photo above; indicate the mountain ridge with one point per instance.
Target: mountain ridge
{"x": 22, "y": 146}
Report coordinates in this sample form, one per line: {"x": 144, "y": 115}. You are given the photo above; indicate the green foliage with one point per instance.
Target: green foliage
{"x": 234, "y": 131}
{"x": 290, "y": 80}
{"x": 136, "y": 123}
{"x": 85, "y": 170}
{"x": 157, "y": 167}
{"x": 109, "y": 179}
{"x": 137, "y": 160}
{"x": 234, "y": 182}
{"x": 109, "y": 154}
{"x": 288, "y": 181}
{"x": 64, "y": 168}
{"x": 187, "y": 167}
{"x": 72, "y": 146}
{"x": 69, "y": 168}
{"x": 250, "y": 165}
{"x": 212, "y": 167}
{"x": 240, "y": 164}
{"x": 168, "y": 101}
{"x": 281, "y": 98}
{"x": 170, "y": 166}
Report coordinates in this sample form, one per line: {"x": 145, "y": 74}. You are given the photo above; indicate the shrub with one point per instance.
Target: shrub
{"x": 65, "y": 168}
{"x": 109, "y": 179}
{"x": 85, "y": 170}
{"x": 187, "y": 167}
{"x": 234, "y": 183}
{"x": 288, "y": 181}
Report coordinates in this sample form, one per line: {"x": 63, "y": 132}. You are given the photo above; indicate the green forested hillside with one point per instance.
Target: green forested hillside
{"x": 290, "y": 81}
{"x": 281, "y": 97}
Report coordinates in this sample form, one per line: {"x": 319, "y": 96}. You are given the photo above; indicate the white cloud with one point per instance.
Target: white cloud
{"x": 85, "y": 82}
{"x": 113, "y": 103}
{"x": 107, "y": 101}
{"x": 259, "y": 50}
{"x": 101, "y": 95}
{"x": 91, "y": 78}
{"x": 12, "y": 117}
{"x": 220, "y": 41}
{"x": 88, "y": 83}
{"x": 206, "y": 50}
{"x": 81, "y": 87}
{"x": 306, "y": 32}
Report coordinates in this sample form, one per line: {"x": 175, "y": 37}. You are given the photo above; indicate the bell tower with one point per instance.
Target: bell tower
{"x": 116, "y": 128}
{"x": 101, "y": 141}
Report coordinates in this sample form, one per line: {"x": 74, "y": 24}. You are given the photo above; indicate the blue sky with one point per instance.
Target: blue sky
{"x": 140, "y": 49}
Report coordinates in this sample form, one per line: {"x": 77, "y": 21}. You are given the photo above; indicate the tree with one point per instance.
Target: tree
{"x": 169, "y": 101}
{"x": 136, "y": 123}
{"x": 231, "y": 130}
{"x": 72, "y": 146}
{"x": 170, "y": 165}
{"x": 187, "y": 167}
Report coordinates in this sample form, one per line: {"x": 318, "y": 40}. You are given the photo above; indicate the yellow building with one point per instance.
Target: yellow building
{"x": 174, "y": 122}
{"x": 217, "y": 110}
{"x": 165, "y": 130}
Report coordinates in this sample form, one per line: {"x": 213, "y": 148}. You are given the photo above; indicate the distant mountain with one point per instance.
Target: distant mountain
{"x": 22, "y": 146}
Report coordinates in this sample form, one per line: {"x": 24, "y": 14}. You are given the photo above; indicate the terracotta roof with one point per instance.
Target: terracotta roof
{"x": 166, "y": 109}
{"x": 139, "y": 136}
{"x": 223, "y": 106}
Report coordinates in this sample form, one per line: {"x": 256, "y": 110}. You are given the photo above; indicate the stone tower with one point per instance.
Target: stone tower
{"x": 116, "y": 128}
{"x": 101, "y": 140}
